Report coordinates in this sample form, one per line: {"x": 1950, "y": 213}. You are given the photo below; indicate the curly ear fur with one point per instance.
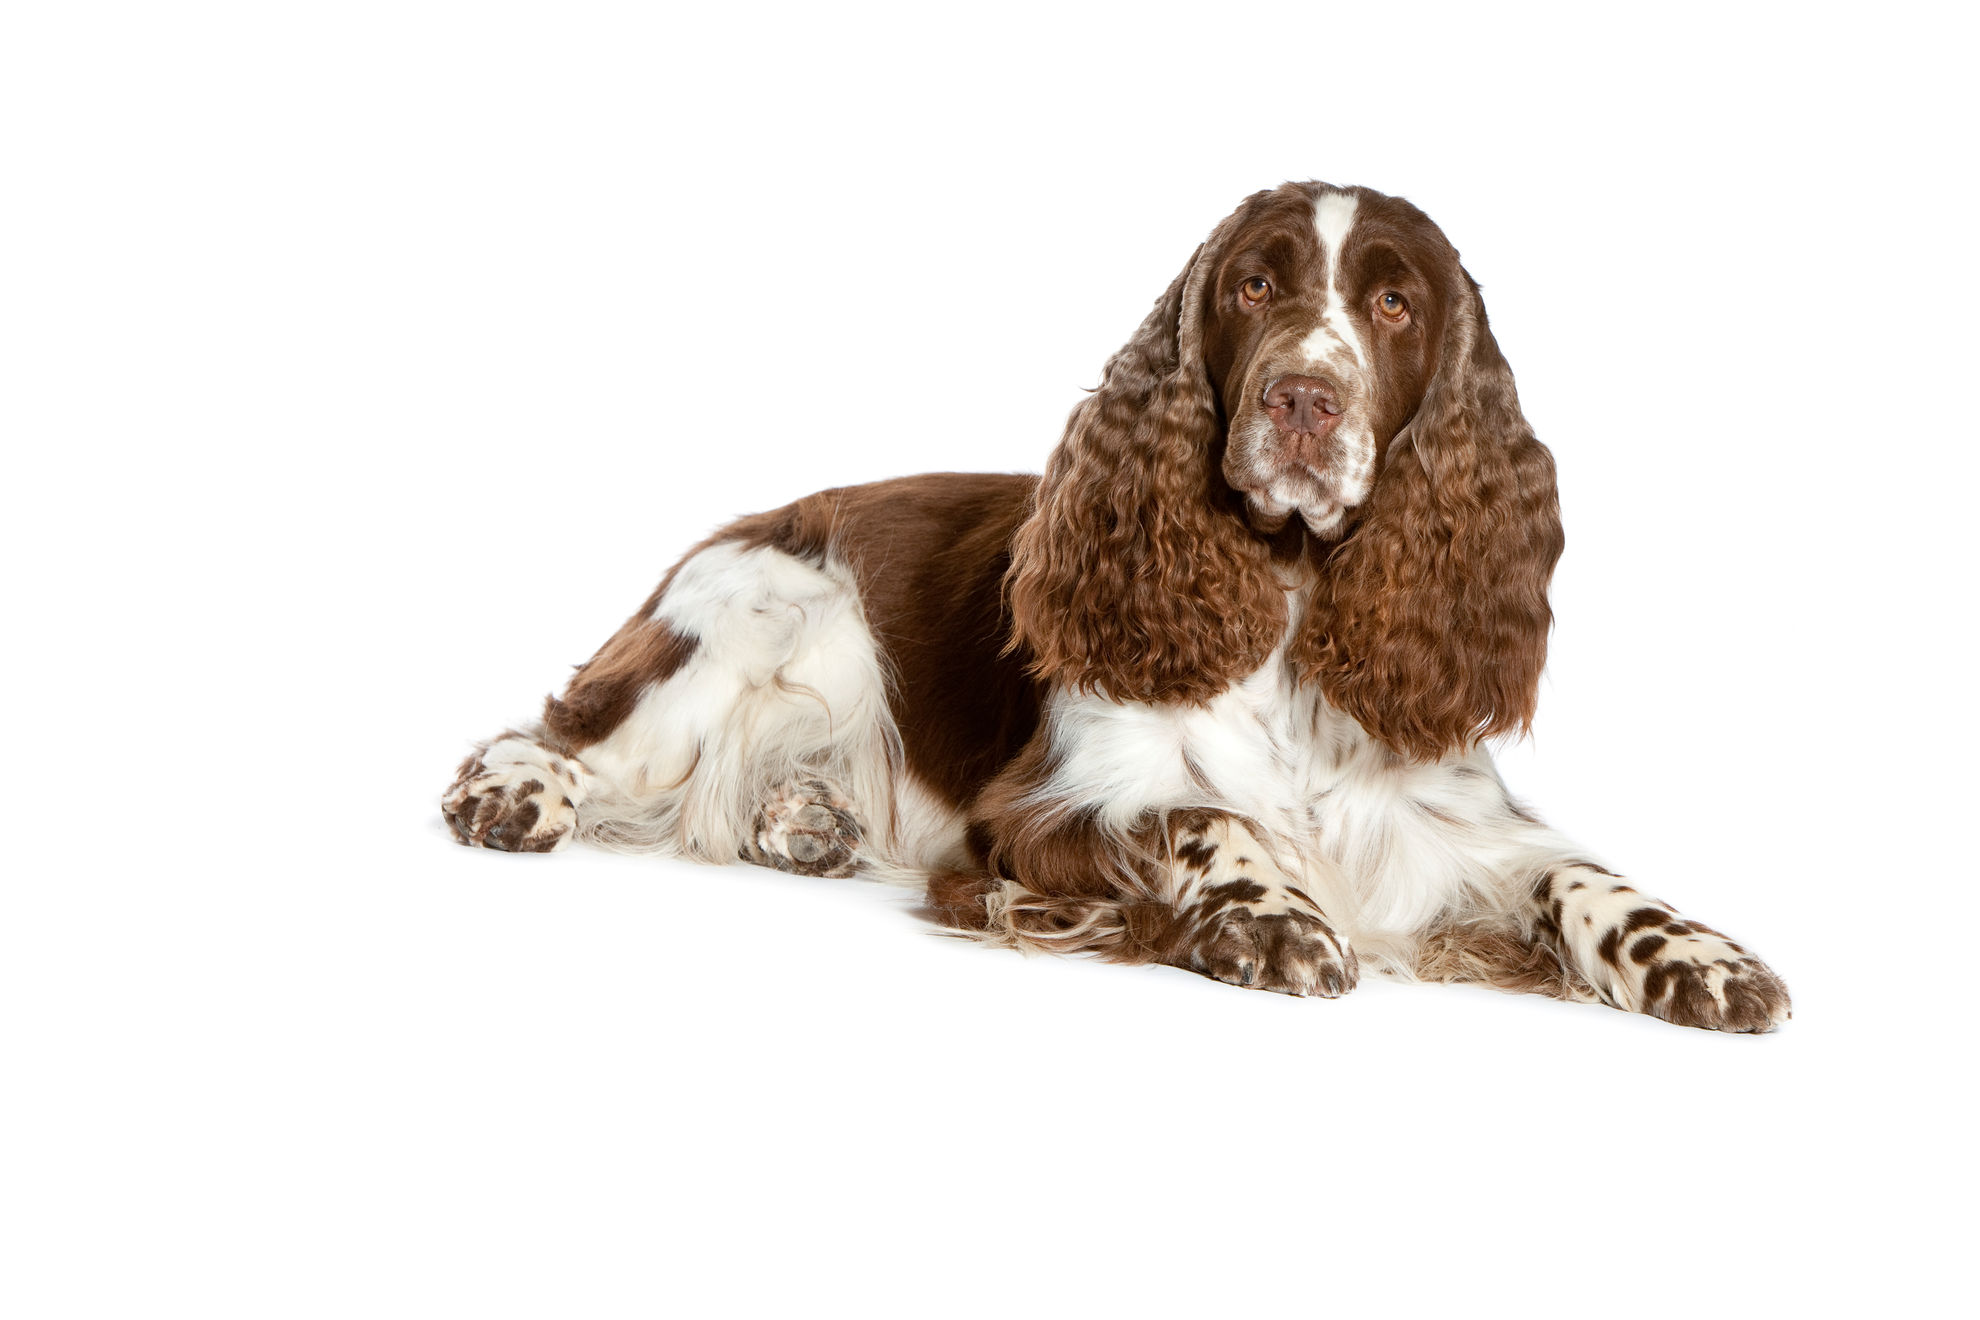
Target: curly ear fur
{"x": 1133, "y": 573}
{"x": 1430, "y": 622}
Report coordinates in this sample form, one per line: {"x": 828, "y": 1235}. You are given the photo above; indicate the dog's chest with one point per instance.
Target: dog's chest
{"x": 1343, "y": 810}
{"x": 1260, "y": 748}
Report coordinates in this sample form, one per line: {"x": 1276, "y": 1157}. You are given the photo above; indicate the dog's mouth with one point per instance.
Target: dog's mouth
{"x": 1282, "y": 473}
{"x": 1270, "y": 506}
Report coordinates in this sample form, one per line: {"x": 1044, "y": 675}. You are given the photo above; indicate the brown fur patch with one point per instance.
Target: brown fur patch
{"x": 605, "y": 688}
{"x": 1136, "y": 573}
{"x": 1644, "y": 917}
{"x": 930, "y": 554}
{"x": 1479, "y": 953}
{"x": 1196, "y": 854}
{"x": 1646, "y": 948}
{"x": 955, "y": 898}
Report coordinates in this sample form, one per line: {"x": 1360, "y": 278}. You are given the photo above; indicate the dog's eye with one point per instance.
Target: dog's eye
{"x": 1393, "y": 306}
{"x": 1255, "y": 291}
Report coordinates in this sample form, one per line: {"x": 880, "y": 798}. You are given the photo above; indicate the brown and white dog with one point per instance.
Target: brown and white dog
{"x": 1212, "y": 692}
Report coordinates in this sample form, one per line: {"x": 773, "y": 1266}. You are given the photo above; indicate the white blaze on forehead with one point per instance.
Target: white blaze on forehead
{"x": 1333, "y": 216}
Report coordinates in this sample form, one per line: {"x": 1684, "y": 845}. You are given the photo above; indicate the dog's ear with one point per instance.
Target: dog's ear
{"x": 1134, "y": 575}
{"x": 1430, "y": 623}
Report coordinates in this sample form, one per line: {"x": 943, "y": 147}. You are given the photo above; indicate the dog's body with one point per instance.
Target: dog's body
{"x": 1139, "y": 707}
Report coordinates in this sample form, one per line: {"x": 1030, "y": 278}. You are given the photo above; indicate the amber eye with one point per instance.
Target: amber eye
{"x": 1393, "y": 306}
{"x": 1255, "y": 291}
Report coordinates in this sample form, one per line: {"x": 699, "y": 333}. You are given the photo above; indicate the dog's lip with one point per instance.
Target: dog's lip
{"x": 1269, "y": 474}
{"x": 1268, "y": 516}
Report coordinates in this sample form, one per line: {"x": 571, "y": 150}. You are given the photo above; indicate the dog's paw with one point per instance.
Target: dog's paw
{"x": 513, "y": 799}
{"x": 1642, "y": 955}
{"x": 1695, "y": 977}
{"x": 1293, "y": 951}
{"x": 807, "y": 828}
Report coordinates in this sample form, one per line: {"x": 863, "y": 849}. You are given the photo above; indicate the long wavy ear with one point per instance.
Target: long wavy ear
{"x": 1430, "y": 623}
{"x": 1134, "y": 573}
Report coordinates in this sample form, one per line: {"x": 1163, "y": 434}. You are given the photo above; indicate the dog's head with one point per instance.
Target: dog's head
{"x": 1322, "y": 354}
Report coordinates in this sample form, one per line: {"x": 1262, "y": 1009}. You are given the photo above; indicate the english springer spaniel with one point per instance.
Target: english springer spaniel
{"x": 1213, "y": 692}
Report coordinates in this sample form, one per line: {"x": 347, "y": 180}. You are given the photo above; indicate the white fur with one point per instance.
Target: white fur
{"x": 1388, "y": 847}
{"x": 515, "y": 757}
{"x": 1333, "y": 216}
{"x": 1123, "y": 759}
{"x": 1353, "y": 468}
{"x": 1237, "y": 854}
{"x": 786, "y": 682}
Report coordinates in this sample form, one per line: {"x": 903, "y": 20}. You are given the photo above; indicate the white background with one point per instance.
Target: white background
{"x": 365, "y": 364}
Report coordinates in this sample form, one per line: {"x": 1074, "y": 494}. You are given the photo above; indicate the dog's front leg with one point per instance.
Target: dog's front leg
{"x": 1240, "y": 918}
{"x": 1641, "y": 954}
{"x": 1196, "y": 889}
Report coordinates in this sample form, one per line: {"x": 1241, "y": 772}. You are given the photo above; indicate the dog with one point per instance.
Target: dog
{"x": 1213, "y": 692}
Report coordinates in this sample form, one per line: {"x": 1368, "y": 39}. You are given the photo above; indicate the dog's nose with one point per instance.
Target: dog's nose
{"x": 1303, "y": 405}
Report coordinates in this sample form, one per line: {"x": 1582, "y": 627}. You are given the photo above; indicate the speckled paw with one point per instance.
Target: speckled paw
{"x": 806, "y": 828}
{"x": 514, "y": 796}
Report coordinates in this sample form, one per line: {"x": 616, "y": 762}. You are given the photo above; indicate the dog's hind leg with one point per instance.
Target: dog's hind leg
{"x": 741, "y": 714}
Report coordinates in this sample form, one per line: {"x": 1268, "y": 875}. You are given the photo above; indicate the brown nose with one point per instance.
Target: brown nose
{"x": 1303, "y": 405}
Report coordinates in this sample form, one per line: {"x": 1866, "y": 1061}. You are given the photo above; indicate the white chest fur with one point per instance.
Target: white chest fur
{"x": 1387, "y": 846}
